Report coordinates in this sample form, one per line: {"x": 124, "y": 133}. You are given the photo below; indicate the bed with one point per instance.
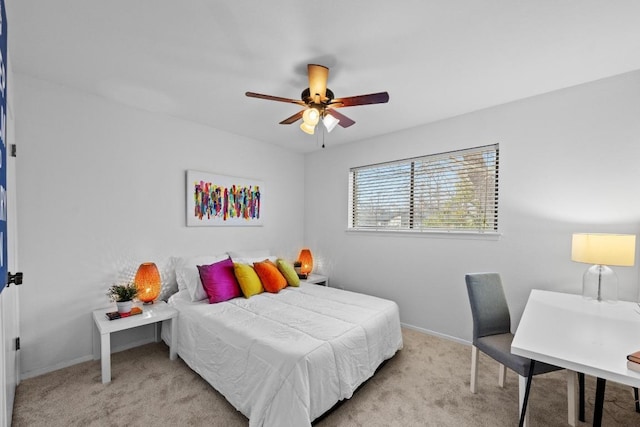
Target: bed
{"x": 285, "y": 359}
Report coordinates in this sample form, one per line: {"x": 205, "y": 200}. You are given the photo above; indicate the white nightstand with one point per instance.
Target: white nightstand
{"x": 317, "y": 279}
{"x": 151, "y": 313}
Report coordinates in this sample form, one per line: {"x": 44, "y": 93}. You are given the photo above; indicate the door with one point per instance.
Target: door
{"x": 9, "y": 299}
{"x": 9, "y": 367}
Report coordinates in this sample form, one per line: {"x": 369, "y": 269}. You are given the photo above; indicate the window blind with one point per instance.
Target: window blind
{"x": 450, "y": 191}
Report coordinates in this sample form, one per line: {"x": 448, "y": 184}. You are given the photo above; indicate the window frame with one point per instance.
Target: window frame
{"x": 491, "y": 155}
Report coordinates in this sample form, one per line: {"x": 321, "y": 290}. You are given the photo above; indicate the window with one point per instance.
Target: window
{"x": 454, "y": 191}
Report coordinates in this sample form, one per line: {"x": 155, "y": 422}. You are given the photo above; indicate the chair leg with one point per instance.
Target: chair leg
{"x": 581, "y": 389}
{"x": 522, "y": 394}
{"x": 474, "y": 368}
{"x": 598, "y": 404}
{"x": 502, "y": 373}
{"x": 635, "y": 397}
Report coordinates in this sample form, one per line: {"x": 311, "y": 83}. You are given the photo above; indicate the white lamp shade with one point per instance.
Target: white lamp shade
{"x": 604, "y": 249}
{"x": 330, "y": 122}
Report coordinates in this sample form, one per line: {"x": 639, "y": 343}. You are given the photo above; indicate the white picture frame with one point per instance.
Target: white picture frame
{"x": 221, "y": 200}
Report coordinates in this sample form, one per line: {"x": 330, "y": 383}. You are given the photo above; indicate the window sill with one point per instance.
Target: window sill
{"x": 454, "y": 234}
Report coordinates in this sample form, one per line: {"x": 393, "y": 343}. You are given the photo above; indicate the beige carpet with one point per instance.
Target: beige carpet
{"x": 425, "y": 384}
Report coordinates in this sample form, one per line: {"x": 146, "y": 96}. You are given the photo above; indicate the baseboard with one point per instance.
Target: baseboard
{"x": 436, "y": 334}
{"x": 66, "y": 364}
{"x": 51, "y": 368}
{"x": 132, "y": 345}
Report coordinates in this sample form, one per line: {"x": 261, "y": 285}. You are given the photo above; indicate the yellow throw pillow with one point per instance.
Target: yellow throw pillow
{"x": 247, "y": 279}
{"x": 289, "y": 273}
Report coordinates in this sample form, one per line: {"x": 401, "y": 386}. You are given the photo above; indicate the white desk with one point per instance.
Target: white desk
{"x": 582, "y": 336}
{"x": 151, "y": 313}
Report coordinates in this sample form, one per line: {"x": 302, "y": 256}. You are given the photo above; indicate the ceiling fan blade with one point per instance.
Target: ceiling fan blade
{"x": 318, "y": 75}
{"x": 345, "y": 121}
{"x": 350, "y": 101}
{"x": 297, "y": 116}
{"x": 275, "y": 98}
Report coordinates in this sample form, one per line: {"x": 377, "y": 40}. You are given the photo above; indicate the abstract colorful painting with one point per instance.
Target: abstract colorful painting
{"x": 221, "y": 200}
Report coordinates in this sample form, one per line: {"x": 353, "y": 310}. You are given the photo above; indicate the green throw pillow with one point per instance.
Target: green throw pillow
{"x": 289, "y": 273}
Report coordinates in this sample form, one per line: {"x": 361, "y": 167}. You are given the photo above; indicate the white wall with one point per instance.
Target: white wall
{"x": 569, "y": 162}
{"x": 101, "y": 188}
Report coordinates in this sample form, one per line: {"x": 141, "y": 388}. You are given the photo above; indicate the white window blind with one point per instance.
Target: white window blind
{"x": 454, "y": 191}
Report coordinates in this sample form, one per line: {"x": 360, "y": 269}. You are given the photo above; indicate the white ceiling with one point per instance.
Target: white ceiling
{"x": 195, "y": 59}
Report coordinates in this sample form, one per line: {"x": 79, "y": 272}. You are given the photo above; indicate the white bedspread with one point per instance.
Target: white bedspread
{"x": 284, "y": 359}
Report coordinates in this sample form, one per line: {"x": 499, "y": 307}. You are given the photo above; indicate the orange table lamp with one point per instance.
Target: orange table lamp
{"x": 306, "y": 261}
{"x": 148, "y": 282}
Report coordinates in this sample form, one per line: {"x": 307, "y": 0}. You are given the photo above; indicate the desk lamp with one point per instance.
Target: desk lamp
{"x": 599, "y": 282}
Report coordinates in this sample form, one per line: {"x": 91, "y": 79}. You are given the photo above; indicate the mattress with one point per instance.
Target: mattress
{"x": 284, "y": 359}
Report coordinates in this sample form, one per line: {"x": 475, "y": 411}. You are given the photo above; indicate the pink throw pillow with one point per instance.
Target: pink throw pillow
{"x": 219, "y": 281}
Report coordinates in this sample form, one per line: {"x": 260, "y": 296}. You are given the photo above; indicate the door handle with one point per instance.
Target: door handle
{"x": 16, "y": 279}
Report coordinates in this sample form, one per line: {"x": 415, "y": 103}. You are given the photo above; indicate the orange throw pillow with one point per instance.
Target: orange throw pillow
{"x": 272, "y": 280}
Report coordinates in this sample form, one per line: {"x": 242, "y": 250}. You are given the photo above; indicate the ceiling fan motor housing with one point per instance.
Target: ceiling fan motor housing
{"x": 306, "y": 97}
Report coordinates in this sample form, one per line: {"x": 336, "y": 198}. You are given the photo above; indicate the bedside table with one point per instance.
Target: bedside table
{"x": 317, "y": 279}
{"x": 151, "y": 313}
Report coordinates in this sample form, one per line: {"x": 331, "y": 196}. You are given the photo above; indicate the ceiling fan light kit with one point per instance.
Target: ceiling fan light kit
{"x": 319, "y": 102}
{"x": 330, "y": 122}
{"x": 311, "y": 116}
{"x": 307, "y": 128}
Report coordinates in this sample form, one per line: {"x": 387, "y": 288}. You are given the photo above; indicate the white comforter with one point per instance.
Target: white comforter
{"x": 284, "y": 359}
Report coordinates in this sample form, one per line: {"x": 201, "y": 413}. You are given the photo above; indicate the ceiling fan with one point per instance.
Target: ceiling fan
{"x": 319, "y": 102}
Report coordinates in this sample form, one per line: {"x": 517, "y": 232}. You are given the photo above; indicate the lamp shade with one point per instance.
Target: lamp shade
{"x": 148, "y": 282}
{"x": 311, "y": 116}
{"x": 604, "y": 249}
{"x": 307, "y": 128}
{"x": 306, "y": 261}
{"x": 330, "y": 122}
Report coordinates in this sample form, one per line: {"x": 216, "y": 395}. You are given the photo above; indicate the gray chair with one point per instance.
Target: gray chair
{"x": 492, "y": 332}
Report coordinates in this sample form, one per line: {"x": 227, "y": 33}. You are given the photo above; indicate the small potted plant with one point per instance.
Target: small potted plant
{"x": 123, "y": 295}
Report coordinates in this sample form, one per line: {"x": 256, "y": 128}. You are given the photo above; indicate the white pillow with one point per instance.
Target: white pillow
{"x": 168, "y": 276}
{"x": 188, "y": 276}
